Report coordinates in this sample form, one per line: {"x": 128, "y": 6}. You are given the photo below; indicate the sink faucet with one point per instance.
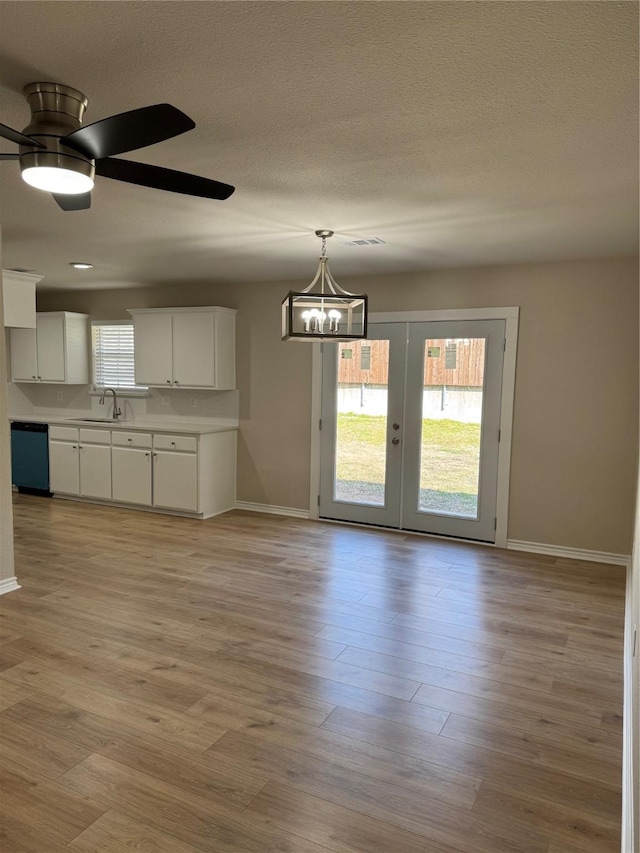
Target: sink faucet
{"x": 116, "y": 410}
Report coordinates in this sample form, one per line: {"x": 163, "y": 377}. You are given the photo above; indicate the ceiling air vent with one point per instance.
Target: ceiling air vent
{"x": 369, "y": 241}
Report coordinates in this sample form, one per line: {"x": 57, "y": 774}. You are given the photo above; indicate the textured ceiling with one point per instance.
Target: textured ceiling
{"x": 458, "y": 132}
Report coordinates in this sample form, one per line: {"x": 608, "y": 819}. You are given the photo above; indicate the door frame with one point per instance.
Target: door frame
{"x": 511, "y": 317}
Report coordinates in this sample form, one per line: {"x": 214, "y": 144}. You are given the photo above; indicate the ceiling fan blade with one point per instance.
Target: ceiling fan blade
{"x": 77, "y": 201}
{"x": 128, "y": 131}
{"x": 163, "y": 179}
{"x": 17, "y": 137}
{"x": 9, "y": 156}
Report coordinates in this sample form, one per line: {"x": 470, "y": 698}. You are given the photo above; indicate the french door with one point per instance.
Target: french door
{"x": 410, "y": 427}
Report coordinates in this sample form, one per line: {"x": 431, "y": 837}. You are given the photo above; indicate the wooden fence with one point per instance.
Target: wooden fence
{"x": 457, "y": 362}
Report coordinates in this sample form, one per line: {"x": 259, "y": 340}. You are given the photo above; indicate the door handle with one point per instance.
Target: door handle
{"x": 396, "y": 426}
{"x": 395, "y": 440}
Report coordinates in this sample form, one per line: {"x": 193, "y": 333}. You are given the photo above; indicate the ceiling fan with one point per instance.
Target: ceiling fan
{"x": 61, "y": 156}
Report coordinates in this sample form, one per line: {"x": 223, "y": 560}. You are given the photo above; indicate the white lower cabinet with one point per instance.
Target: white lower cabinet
{"x": 184, "y": 473}
{"x": 166, "y": 479}
{"x": 64, "y": 467}
{"x": 175, "y": 480}
{"x": 80, "y": 462}
{"x": 131, "y": 474}
{"x": 95, "y": 471}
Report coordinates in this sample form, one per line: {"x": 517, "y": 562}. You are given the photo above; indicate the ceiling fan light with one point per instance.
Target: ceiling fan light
{"x": 55, "y": 179}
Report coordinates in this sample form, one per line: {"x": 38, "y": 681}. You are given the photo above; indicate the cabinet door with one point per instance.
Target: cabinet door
{"x": 50, "y": 338}
{"x": 95, "y": 471}
{"x": 152, "y": 335}
{"x": 64, "y": 468}
{"x": 193, "y": 350}
{"x": 131, "y": 475}
{"x": 175, "y": 480}
{"x": 19, "y": 298}
{"x": 24, "y": 361}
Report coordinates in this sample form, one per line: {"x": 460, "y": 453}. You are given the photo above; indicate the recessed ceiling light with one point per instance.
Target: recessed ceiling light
{"x": 80, "y": 265}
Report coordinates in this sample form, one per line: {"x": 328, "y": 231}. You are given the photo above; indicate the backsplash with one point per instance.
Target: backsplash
{"x": 220, "y": 406}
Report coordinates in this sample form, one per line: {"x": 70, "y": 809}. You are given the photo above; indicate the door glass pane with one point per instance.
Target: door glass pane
{"x": 361, "y": 423}
{"x": 451, "y": 425}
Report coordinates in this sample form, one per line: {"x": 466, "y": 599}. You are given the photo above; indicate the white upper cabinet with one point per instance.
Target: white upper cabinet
{"x": 55, "y": 351}
{"x": 24, "y": 355}
{"x": 19, "y": 299}
{"x": 50, "y": 348}
{"x": 152, "y": 347}
{"x": 193, "y": 338}
{"x": 185, "y": 347}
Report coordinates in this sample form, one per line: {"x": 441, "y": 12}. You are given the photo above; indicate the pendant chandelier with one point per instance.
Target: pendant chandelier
{"x": 328, "y": 314}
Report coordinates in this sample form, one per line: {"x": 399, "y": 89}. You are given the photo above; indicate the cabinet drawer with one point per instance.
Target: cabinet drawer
{"x": 95, "y": 436}
{"x": 131, "y": 439}
{"x": 187, "y": 443}
{"x": 63, "y": 433}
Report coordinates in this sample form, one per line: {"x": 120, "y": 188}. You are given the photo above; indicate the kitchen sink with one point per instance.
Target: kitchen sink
{"x": 95, "y": 420}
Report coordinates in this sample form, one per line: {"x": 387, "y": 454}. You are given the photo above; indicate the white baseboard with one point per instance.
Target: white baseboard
{"x": 272, "y": 510}
{"x": 512, "y": 544}
{"x": 629, "y": 748}
{"x": 569, "y": 553}
{"x": 8, "y": 585}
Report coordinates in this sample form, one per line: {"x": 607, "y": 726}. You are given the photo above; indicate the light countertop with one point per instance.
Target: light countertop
{"x": 146, "y": 424}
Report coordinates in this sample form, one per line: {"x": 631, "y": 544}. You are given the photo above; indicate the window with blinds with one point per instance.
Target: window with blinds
{"x": 113, "y": 355}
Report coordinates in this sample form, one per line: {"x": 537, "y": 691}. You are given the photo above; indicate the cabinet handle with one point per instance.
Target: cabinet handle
{"x": 129, "y": 440}
{"x": 147, "y": 454}
{"x": 155, "y": 454}
{"x": 176, "y": 382}
{"x": 173, "y": 444}
{"x": 168, "y": 382}
{"x": 34, "y": 377}
{"x": 39, "y": 377}
{"x": 74, "y": 446}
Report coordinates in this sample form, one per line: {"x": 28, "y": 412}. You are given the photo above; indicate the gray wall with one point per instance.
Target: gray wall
{"x": 576, "y": 405}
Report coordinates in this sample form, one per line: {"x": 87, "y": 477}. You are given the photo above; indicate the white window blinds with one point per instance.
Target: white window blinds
{"x": 113, "y": 350}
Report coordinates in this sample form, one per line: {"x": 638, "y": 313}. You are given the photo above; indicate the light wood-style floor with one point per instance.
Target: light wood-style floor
{"x": 259, "y": 684}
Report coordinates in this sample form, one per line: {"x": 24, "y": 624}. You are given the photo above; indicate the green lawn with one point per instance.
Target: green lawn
{"x": 449, "y": 463}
